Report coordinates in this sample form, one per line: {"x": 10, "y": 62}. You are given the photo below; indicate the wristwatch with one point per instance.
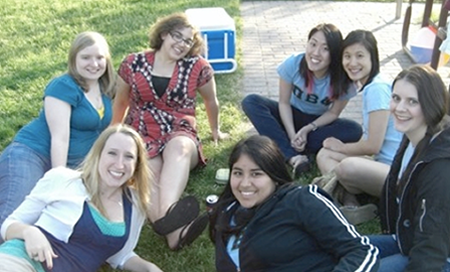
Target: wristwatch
{"x": 314, "y": 126}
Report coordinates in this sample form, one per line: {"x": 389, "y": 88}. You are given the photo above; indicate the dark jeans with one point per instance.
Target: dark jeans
{"x": 391, "y": 260}
{"x": 265, "y": 117}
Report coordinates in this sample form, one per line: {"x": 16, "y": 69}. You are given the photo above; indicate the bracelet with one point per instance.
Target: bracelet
{"x": 314, "y": 126}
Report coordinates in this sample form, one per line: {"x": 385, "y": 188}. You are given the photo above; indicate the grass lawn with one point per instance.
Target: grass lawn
{"x": 34, "y": 40}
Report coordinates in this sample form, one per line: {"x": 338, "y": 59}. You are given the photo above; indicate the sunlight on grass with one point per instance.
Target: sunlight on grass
{"x": 35, "y": 36}
{"x": 34, "y": 40}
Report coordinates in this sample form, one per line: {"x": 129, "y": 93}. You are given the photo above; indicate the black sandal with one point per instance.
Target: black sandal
{"x": 178, "y": 215}
{"x": 196, "y": 228}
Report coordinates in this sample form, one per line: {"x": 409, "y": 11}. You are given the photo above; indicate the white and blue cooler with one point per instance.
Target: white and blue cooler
{"x": 219, "y": 33}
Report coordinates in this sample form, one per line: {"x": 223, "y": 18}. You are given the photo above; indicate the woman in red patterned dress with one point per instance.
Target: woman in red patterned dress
{"x": 156, "y": 94}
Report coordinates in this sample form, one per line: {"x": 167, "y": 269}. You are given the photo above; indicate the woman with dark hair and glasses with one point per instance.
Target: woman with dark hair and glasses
{"x": 313, "y": 92}
{"x": 156, "y": 94}
{"x": 263, "y": 222}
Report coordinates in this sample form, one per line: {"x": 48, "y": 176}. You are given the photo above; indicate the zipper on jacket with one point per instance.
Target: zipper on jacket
{"x": 400, "y": 207}
{"x": 424, "y": 211}
{"x": 386, "y": 198}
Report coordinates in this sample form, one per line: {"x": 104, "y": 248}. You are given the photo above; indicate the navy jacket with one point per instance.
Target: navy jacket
{"x": 419, "y": 212}
{"x": 297, "y": 229}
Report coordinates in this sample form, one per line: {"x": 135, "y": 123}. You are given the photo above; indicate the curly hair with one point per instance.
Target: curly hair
{"x": 172, "y": 22}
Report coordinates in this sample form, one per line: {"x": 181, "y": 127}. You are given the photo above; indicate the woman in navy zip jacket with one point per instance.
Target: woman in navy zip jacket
{"x": 263, "y": 222}
{"x": 415, "y": 208}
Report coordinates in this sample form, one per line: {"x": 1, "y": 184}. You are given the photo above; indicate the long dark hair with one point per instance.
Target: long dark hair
{"x": 333, "y": 37}
{"x": 266, "y": 154}
{"x": 434, "y": 102}
{"x": 366, "y": 39}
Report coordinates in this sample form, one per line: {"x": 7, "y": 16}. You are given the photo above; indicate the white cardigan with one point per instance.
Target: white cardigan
{"x": 56, "y": 204}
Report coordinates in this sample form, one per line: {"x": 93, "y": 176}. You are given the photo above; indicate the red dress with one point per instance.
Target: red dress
{"x": 159, "y": 119}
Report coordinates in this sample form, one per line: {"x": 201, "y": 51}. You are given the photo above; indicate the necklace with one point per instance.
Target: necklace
{"x": 94, "y": 96}
{"x": 119, "y": 202}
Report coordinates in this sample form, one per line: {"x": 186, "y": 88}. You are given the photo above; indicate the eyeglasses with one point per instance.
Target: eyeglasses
{"x": 178, "y": 37}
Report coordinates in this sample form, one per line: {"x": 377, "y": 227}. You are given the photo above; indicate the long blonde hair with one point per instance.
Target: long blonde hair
{"x": 81, "y": 41}
{"x": 139, "y": 182}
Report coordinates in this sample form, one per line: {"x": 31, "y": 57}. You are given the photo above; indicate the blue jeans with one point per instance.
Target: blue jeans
{"x": 20, "y": 169}
{"x": 265, "y": 117}
{"x": 391, "y": 260}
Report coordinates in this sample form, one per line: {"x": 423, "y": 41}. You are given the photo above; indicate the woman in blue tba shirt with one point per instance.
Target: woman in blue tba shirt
{"x": 312, "y": 94}
{"x": 77, "y": 108}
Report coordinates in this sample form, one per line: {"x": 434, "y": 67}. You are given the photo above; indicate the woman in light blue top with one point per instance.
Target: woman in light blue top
{"x": 313, "y": 93}
{"x": 355, "y": 170}
{"x": 77, "y": 108}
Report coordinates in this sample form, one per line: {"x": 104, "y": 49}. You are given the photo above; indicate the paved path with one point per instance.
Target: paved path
{"x": 273, "y": 30}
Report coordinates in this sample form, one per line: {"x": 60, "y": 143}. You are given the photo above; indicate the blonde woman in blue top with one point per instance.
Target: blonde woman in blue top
{"x": 76, "y": 109}
{"x": 313, "y": 94}
{"x": 355, "y": 170}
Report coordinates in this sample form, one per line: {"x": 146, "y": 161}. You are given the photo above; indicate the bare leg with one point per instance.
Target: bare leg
{"x": 361, "y": 175}
{"x": 178, "y": 158}
{"x": 327, "y": 160}
{"x": 155, "y": 165}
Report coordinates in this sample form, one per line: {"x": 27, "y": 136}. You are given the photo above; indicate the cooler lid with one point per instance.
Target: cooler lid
{"x": 210, "y": 18}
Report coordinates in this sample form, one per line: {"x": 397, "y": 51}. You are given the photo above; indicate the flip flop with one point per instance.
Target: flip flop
{"x": 195, "y": 229}
{"x": 178, "y": 215}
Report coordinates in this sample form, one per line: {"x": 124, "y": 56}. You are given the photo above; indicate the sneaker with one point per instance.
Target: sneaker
{"x": 222, "y": 176}
{"x": 361, "y": 214}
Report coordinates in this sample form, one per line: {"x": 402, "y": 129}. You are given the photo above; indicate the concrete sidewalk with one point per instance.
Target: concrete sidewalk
{"x": 273, "y": 30}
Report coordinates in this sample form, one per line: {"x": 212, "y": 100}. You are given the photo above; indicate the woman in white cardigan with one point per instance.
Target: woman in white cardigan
{"x": 77, "y": 220}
